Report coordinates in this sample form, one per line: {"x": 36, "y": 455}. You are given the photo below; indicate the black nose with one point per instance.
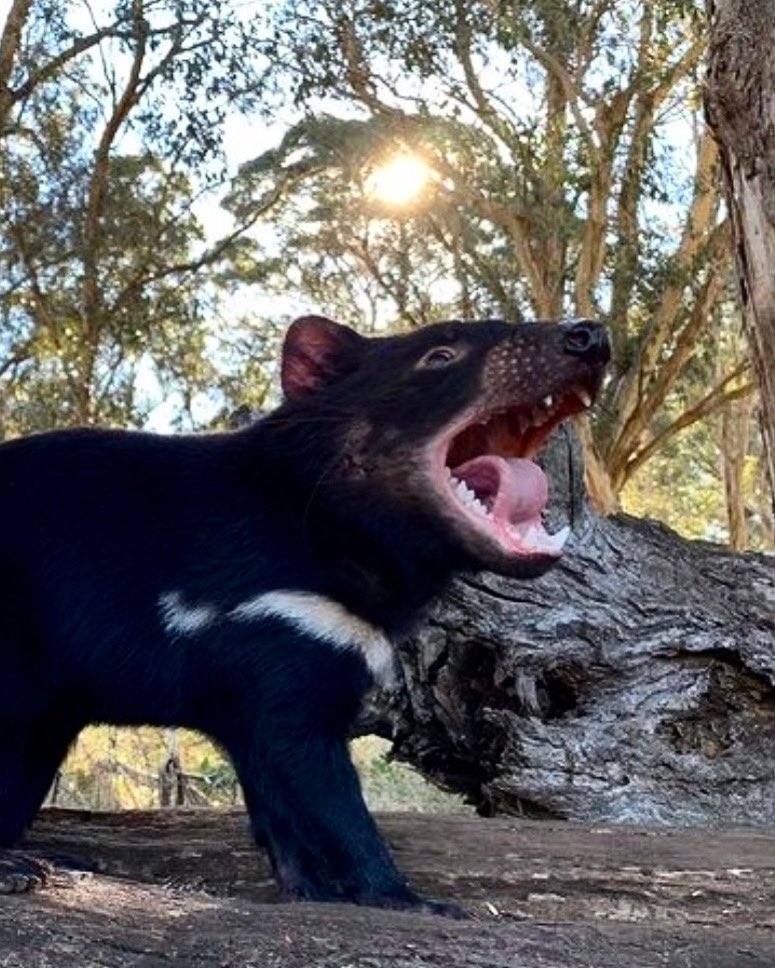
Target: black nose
{"x": 587, "y": 339}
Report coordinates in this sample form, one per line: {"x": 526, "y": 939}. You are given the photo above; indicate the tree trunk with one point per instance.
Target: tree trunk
{"x": 633, "y": 682}
{"x": 740, "y": 104}
{"x": 735, "y": 437}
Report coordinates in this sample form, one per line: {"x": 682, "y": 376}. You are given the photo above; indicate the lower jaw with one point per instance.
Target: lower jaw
{"x": 487, "y": 554}
{"x": 511, "y": 566}
{"x": 500, "y": 539}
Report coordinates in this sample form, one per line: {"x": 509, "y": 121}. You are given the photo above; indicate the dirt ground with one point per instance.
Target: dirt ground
{"x": 187, "y": 888}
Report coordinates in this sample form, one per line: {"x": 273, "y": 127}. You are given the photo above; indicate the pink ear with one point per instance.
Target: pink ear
{"x": 315, "y": 352}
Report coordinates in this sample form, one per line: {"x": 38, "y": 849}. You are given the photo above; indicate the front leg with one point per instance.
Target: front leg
{"x": 306, "y": 806}
{"x": 284, "y": 720}
{"x": 305, "y": 803}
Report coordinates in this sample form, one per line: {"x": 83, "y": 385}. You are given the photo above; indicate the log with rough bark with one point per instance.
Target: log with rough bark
{"x": 633, "y": 682}
{"x": 740, "y": 105}
{"x": 189, "y": 889}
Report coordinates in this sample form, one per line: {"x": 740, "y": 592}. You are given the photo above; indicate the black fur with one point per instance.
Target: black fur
{"x": 324, "y": 495}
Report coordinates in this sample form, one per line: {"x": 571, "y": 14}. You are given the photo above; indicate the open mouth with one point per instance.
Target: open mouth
{"x": 491, "y": 479}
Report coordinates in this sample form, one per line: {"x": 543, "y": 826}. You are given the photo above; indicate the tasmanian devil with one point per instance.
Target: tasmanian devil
{"x": 252, "y": 584}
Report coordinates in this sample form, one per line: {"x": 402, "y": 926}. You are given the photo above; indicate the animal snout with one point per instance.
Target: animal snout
{"x": 587, "y": 339}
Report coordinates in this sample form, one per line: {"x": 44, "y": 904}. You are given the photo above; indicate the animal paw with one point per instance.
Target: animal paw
{"x": 21, "y": 872}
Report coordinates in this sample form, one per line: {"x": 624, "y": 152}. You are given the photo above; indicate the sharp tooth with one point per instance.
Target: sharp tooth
{"x": 559, "y": 539}
{"x": 523, "y": 421}
{"x": 547, "y": 401}
{"x": 465, "y": 493}
{"x": 534, "y": 538}
{"x": 585, "y": 398}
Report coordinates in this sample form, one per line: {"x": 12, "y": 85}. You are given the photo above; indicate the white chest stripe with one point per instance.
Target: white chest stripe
{"x": 325, "y": 619}
{"x": 181, "y": 619}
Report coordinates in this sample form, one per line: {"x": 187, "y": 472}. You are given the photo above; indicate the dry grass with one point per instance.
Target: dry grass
{"x": 114, "y": 769}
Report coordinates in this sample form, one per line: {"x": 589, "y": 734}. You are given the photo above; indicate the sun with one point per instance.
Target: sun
{"x": 400, "y": 181}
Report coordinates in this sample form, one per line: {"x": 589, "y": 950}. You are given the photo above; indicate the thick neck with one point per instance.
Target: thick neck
{"x": 388, "y": 582}
{"x": 360, "y": 550}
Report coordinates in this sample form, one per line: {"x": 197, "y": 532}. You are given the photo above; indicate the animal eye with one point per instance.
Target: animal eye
{"x": 439, "y": 356}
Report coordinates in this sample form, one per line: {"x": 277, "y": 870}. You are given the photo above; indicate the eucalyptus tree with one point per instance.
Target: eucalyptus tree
{"x": 571, "y": 175}
{"x": 111, "y": 142}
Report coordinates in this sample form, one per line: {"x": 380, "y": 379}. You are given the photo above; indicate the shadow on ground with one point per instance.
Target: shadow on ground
{"x": 187, "y": 888}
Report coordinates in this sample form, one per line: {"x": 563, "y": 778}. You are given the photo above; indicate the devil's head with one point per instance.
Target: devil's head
{"x": 443, "y": 424}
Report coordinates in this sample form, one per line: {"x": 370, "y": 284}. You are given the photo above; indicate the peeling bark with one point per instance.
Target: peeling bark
{"x": 740, "y": 104}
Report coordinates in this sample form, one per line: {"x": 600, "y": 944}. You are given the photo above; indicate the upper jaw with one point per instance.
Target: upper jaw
{"x": 483, "y": 473}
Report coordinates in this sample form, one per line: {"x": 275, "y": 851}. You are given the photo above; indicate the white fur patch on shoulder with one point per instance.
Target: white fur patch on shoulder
{"x": 181, "y": 619}
{"x": 325, "y": 619}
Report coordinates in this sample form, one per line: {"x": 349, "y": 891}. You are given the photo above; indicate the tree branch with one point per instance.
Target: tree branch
{"x": 699, "y": 233}
{"x": 289, "y": 177}
{"x": 44, "y": 314}
{"x": 99, "y": 182}
{"x": 708, "y": 405}
{"x": 9, "y": 47}
{"x": 481, "y": 103}
{"x": 518, "y": 230}
{"x": 680, "y": 69}
{"x": 358, "y": 74}
{"x": 686, "y": 341}
{"x": 56, "y": 63}
{"x": 572, "y": 91}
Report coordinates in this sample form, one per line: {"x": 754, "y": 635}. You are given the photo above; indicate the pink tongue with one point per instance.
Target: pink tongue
{"x": 524, "y": 492}
{"x": 522, "y": 488}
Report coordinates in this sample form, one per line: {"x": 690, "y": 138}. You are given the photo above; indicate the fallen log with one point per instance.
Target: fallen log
{"x": 635, "y": 682}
